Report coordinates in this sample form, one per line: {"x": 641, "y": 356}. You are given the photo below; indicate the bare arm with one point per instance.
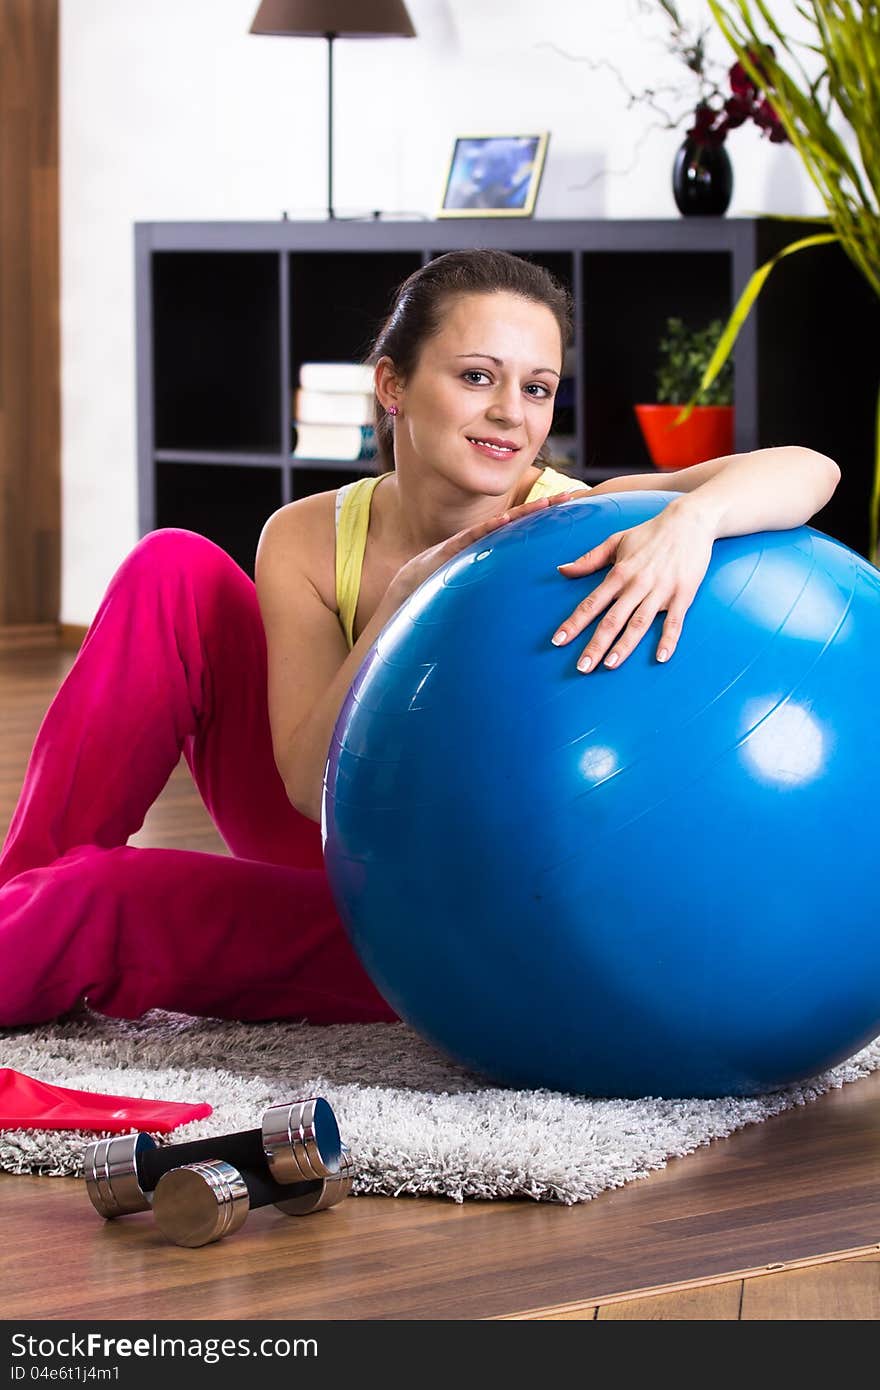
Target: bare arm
{"x": 310, "y": 665}
{"x": 659, "y": 565}
{"x": 310, "y": 746}
{"x": 766, "y": 490}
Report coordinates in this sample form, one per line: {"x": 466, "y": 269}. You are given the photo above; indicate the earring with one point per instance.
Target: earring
{"x": 392, "y": 410}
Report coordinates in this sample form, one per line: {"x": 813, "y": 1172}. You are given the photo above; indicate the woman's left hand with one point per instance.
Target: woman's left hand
{"x": 657, "y": 566}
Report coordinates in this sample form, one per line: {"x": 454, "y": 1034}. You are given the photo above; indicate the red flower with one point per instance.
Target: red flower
{"x": 741, "y": 84}
{"x": 765, "y": 117}
{"x": 746, "y": 103}
{"x": 737, "y": 110}
{"x": 707, "y": 128}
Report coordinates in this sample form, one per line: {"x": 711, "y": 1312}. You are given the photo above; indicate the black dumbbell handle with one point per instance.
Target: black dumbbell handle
{"x": 262, "y": 1190}
{"x": 244, "y": 1151}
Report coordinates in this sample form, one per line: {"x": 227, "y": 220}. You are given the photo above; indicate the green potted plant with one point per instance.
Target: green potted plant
{"x": 707, "y": 432}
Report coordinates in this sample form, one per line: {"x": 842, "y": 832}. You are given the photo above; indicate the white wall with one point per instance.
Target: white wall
{"x": 172, "y": 111}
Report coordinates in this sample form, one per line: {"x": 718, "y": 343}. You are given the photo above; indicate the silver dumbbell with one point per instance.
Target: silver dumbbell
{"x": 112, "y": 1169}
{"x": 297, "y": 1145}
{"x": 203, "y": 1202}
{"x": 328, "y": 1193}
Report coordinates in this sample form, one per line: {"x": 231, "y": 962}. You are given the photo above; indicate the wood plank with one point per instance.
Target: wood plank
{"x": 711, "y": 1303}
{"x": 15, "y": 636}
{"x": 574, "y": 1311}
{"x": 820, "y": 1293}
{"x": 71, "y": 636}
{"x": 586, "y": 1312}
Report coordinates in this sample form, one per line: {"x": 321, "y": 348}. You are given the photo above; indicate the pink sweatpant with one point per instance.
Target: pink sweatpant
{"x": 174, "y": 662}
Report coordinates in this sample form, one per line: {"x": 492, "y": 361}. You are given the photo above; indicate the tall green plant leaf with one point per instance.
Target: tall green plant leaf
{"x": 846, "y": 39}
{"x": 741, "y": 312}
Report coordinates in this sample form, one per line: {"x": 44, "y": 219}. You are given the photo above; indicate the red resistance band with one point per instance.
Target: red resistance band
{"x": 26, "y": 1103}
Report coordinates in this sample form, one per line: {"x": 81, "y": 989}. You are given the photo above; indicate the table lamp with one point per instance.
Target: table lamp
{"x": 333, "y": 19}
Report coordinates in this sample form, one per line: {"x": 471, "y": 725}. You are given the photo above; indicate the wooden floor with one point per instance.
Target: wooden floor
{"x": 780, "y": 1221}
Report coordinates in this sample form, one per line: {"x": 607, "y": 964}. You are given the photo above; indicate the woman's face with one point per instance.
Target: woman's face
{"x": 479, "y": 404}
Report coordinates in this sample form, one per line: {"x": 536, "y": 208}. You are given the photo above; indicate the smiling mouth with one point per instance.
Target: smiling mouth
{"x": 495, "y": 447}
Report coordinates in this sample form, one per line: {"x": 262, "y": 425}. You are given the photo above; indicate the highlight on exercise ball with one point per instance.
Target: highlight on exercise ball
{"x": 656, "y": 880}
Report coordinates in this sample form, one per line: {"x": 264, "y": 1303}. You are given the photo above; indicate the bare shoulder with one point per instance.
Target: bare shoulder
{"x": 299, "y": 542}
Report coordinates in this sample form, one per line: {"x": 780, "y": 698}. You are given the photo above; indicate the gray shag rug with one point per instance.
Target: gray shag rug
{"x": 415, "y": 1122}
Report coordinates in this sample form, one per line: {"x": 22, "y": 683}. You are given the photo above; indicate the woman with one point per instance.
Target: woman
{"x": 186, "y": 655}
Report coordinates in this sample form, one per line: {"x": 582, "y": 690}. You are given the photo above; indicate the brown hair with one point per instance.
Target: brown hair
{"x": 419, "y": 303}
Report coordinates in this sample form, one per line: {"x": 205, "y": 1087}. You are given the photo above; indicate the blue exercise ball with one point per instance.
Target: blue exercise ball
{"x": 657, "y": 880}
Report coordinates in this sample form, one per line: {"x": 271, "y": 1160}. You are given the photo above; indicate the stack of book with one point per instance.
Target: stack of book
{"x": 333, "y": 412}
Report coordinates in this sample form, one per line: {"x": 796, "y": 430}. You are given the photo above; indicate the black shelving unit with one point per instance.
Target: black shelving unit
{"x": 227, "y": 313}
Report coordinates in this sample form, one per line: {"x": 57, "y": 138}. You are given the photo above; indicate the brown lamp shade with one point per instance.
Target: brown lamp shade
{"x": 348, "y": 19}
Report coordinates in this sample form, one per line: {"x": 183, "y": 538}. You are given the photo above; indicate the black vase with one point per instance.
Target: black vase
{"x": 702, "y": 179}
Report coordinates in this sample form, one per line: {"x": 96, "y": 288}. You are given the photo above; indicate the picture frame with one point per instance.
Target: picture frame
{"x": 494, "y": 175}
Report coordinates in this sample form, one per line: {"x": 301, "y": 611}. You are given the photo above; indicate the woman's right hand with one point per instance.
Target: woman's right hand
{"x": 423, "y": 565}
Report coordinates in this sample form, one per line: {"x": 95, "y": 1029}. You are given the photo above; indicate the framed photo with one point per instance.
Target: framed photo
{"x": 494, "y": 175}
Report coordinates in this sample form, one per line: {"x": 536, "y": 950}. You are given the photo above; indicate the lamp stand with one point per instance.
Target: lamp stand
{"x": 330, "y": 37}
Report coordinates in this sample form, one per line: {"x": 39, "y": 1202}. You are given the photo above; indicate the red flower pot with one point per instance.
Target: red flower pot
{"x": 706, "y": 434}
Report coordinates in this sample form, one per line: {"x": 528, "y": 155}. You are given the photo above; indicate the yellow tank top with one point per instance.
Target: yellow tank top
{"x": 353, "y": 521}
